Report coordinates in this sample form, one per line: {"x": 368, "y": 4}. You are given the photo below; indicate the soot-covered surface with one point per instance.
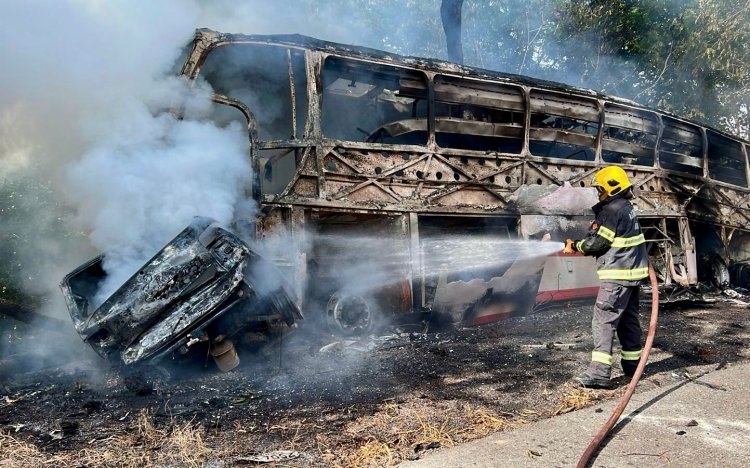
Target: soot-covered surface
{"x": 327, "y": 402}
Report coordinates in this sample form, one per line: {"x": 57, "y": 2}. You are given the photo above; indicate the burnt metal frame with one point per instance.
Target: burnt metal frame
{"x": 475, "y": 191}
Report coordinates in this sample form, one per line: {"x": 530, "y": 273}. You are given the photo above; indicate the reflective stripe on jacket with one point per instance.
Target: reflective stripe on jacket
{"x": 617, "y": 242}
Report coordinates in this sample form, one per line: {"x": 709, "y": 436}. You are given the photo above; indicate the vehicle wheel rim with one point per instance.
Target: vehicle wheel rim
{"x": 350, "y": 313}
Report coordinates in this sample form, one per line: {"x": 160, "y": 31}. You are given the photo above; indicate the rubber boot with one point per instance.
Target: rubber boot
{"x": 592, "y": 382}
{"x": 629, "y": 367}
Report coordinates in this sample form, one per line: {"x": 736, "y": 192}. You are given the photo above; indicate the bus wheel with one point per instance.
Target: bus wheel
{"x": 351, "y": 314}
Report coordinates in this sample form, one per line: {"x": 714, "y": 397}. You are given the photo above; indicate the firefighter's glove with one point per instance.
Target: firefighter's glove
{"x": 568, "y": 247}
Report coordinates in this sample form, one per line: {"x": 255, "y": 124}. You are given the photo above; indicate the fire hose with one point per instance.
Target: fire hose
{"x": 604, "y": 430}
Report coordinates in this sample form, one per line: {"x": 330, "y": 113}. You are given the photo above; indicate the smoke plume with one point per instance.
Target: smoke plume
{"x": 84, "y": 108}
{"x": 84, "y": 100}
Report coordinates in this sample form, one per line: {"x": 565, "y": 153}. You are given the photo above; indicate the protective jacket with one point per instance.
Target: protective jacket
{"x": 617, "y": 242}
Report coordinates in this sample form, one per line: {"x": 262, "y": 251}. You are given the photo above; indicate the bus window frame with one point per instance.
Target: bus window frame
{"x": 478, "y": 85}
{"x": 423, "y": 76}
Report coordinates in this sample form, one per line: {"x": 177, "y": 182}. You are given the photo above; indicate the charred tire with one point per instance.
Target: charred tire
{"x": 740, "y": 274}
{"x": 352, "y": 314}
{"x": 716, "y": 271}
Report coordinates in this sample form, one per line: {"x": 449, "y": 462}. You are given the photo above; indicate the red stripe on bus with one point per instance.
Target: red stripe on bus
{"x": 546, "y": 296}
{"x": 491, "y": 318}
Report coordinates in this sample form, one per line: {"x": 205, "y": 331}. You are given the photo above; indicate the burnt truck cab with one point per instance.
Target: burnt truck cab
{"x": 202, "y": 286}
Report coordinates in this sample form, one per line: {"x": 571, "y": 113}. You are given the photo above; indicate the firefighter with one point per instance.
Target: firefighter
{"x": 617, "y": 242}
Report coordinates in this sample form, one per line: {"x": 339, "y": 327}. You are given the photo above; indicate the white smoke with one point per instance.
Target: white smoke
{"x": 141, "y": 186}
{"x": 84, "y": 100}
{"x": 83, "y": 95}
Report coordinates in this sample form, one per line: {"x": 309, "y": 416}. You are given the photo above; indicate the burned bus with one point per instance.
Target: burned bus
{"x": 350, "y": 141}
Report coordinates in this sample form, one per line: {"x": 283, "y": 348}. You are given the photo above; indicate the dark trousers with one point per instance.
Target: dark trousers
{"x": 616, "y": 310}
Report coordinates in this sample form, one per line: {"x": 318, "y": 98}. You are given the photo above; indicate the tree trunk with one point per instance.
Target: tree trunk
{"x": 450, "y": 13}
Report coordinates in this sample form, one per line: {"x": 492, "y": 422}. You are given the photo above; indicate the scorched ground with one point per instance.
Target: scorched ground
{"x": 319, "y": 401}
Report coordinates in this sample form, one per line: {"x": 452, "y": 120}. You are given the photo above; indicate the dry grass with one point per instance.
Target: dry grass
{"x": 372, "y": 453}
{"x": 485, "y": 422}
{"x": 16, "y": 453}
{"x": 396, "y": 432}
{"x": 399, "y": 431}
{"x": 574, "y": 398}
{"x": 144, "y": 445}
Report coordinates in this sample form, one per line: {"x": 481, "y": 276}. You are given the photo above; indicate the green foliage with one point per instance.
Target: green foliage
{"x": 510, "y": 36}
{"x": 688, "y": 57}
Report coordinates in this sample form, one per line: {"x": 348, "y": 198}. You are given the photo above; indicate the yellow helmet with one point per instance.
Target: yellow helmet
{"x": 610, "y": 181}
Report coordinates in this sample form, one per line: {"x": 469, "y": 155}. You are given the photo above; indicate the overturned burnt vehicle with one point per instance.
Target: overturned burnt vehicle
{"x": 199, "y": 289}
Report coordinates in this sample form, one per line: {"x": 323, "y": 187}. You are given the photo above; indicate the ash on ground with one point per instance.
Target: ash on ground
{"x": 322, "y": 401}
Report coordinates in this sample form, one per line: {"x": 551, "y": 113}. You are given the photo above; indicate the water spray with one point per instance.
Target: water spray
{"x": 466, "y": 253}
